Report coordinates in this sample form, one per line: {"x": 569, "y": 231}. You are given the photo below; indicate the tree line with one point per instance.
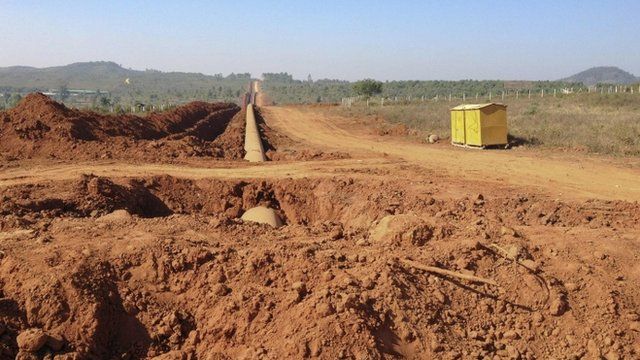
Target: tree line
{"x": 283, "y": 89}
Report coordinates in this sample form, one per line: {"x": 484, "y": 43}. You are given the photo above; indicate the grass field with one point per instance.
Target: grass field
{"x": 595, "y": 123}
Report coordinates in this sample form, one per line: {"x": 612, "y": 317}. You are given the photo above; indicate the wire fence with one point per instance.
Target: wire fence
{"x": 492, "y": 96}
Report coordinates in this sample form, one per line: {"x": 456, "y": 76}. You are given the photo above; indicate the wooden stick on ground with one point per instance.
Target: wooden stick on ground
{"x": 440, "y": 271}
{"x": 505, "y": 254}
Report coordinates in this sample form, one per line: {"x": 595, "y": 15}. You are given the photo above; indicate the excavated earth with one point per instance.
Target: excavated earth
{"x": 40, "y": 128}
{"x": 163, "y": 267}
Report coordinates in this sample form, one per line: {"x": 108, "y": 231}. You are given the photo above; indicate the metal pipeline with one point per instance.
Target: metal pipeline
{"x": 254, "y": 151}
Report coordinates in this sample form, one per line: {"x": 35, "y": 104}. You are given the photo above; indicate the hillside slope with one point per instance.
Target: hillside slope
{"x": 603, "y": 75}
{"x": 109, "y": 76}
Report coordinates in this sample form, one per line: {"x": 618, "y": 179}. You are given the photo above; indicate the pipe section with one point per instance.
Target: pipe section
{"x": 263, "y": 215}
{"x": 254, "y": 151}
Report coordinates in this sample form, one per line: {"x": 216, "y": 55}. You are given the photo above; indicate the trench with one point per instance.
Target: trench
{"x": 296, "y": 201}
{"x": 353, "y": 203}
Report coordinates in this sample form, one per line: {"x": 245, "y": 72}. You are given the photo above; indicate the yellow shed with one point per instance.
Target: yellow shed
{"x": 479, "y": 124}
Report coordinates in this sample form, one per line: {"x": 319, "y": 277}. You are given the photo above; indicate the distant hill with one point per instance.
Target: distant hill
{"x": 77, "y": 85}
{"x": 603, "y": 75}
{"x": 91, "y": 75}
{"x": 111, "y": 77}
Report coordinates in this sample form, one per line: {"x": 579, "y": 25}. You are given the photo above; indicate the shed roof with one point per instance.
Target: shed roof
{"x": 476, "y": 106}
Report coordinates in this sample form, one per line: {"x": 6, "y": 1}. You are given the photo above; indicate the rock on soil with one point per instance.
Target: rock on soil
{"x": 403, "y": 229}
{"x": 31, "y": 340}
{"x": 117, "y": 216}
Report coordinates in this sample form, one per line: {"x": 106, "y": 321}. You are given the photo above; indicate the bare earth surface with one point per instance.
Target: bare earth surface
{"x": 574, "y": 178}
{"x": 136, "y": 256}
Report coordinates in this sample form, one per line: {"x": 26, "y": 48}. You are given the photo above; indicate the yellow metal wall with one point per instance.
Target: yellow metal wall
{"x": 457, "y": 127}
{"x": 493, "y": 121}
{"x": 473, "y": 127}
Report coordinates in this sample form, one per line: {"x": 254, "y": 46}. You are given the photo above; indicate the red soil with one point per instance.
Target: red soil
{"x": 136, "y": 268}
{"x": 40, "y": 127}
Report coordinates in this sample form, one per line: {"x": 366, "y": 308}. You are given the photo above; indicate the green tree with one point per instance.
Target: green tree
{"x": 367, "y": 87}
{"x": 105, "y": 102}
{"x": 63, "y": 93}
{"x": 14, "y": 99}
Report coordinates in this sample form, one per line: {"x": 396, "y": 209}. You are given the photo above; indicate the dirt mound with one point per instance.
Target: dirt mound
{"x": 137, "y": 268}
{"x": 230, "y": 144}
{"x": 41, "y": 127}
{"x": 37, "y": 115}
{"x": 392, "y": 130}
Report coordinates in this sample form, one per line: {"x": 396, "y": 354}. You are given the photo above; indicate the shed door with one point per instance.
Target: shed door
{"x": 457, "y": 127}
{"x": 472, "y": 125}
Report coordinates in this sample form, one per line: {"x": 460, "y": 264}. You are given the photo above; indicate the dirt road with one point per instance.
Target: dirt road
{"x": 36, "y": 172}
{"x": 558, "y": 176}
{"x": 564, "y": 177}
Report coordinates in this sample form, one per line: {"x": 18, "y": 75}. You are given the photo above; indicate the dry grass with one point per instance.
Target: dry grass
{"x": 606, "y": 124}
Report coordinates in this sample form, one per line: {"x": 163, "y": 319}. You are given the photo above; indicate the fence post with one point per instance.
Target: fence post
{"x": 503, "y": 95}
{"x": 517, "y": 94}
{"x": 490, "y": 96}
{"x": 542, "y": 93}
{"x": 554, "y": 92}
{"x": 382, "y": 102}
{"x": 464, "y": 97}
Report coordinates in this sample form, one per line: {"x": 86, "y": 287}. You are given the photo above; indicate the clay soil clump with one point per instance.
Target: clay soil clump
{"x": 165, "y": 267}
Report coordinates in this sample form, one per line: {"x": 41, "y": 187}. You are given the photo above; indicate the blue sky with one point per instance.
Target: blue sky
{"x": 423, "y": 40}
